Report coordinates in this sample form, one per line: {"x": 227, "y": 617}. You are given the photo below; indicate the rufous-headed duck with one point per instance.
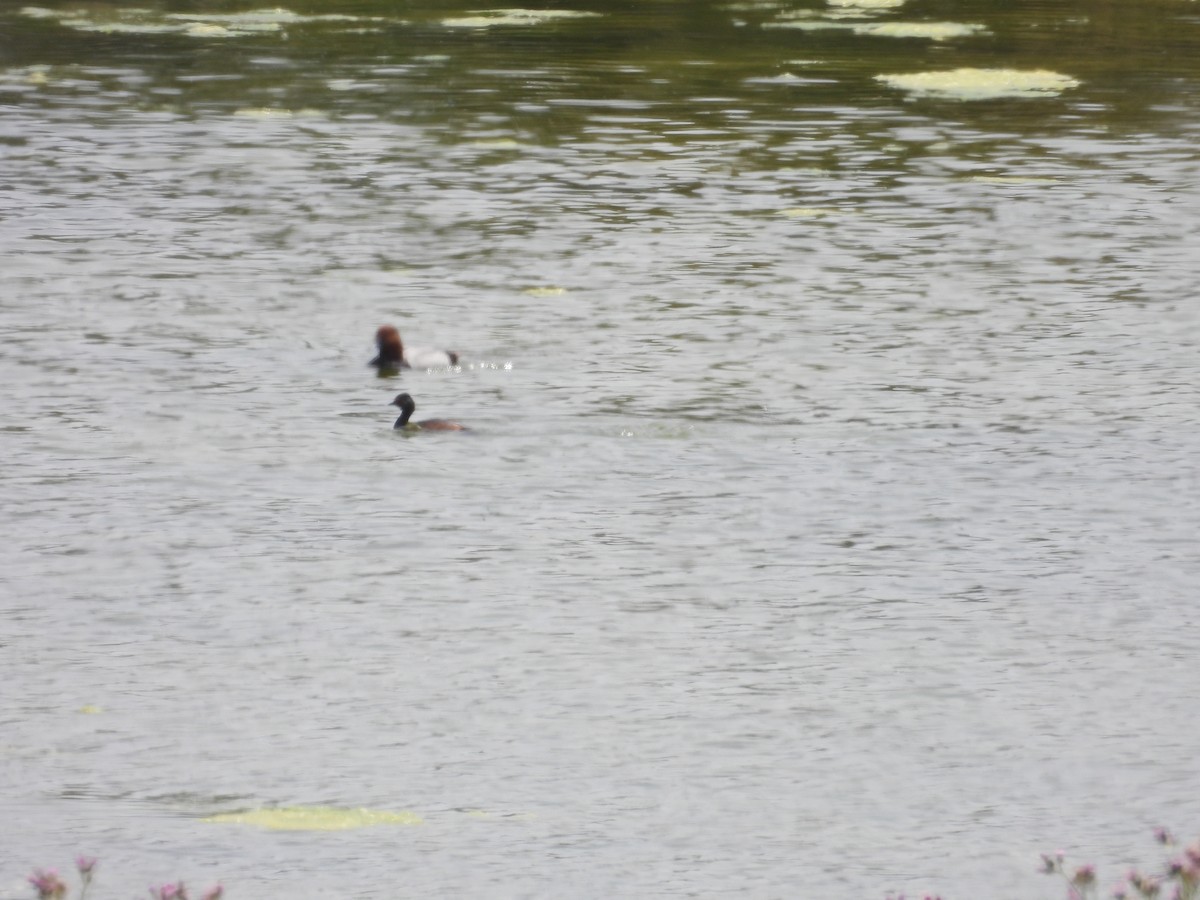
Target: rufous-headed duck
{"x": 393, "y": 355}
{"x": 408, "y": 407}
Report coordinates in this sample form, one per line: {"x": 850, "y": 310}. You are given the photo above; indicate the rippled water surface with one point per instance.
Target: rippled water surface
{"x": 828, "y": 522}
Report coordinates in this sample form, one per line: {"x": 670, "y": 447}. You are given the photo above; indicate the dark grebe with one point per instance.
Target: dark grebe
{"x": 408, "y": 407}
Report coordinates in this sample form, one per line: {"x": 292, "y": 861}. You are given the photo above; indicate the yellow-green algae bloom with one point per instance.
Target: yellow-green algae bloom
{"x": 1012, "y": 179}
{"x": 314, "y": 818}
{"x": 934, "y": 31}
{"x": 807, "y": 212}
{"x": 135, "y": 20}
{"x": 982, "y": 84}
{"x": 276, "y": 16}
{"x": 809, "y": 25}
{"x": 510, "y": 17}
{"x": 865, "y": 4}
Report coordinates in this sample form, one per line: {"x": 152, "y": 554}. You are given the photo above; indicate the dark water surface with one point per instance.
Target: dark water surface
{"x": 829, "y": 524}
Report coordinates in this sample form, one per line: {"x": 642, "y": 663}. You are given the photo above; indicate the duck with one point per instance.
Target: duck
{"x": 393, "y": 355}
{"x": 408, "y": 407}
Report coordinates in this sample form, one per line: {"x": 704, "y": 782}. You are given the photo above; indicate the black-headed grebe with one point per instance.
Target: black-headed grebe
{"x": 393, "y": 355}
{"x": 408, "y": 407}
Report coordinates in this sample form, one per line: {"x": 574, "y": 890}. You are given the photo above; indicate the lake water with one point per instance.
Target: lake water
{"x": 828, "y": 525}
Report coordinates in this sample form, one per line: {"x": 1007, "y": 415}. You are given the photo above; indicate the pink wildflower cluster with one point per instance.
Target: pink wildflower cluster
{"x": 50, "y": 887}
{"x": 1181, "y": 875}
{"x": 47, "y": 884}
{"x": 177, "y": 891}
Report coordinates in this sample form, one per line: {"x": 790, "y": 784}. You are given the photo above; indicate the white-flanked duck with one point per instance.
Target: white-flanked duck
{"x": 393, "y": 355}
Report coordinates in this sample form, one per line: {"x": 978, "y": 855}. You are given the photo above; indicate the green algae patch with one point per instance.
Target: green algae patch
{"x": 865, "y": 4}
{"x": 933, "y": 31}
{"x": 314, "y": 818}
{"x": 272, "y": 18}
{"x": 807, "y": 212}
{"x": 514, "y": 17}
{"x": 497, "y": 144}
{"x": 263, "y": 112}
{"x": 273, "y": 112}
{"x": 1012, "y": 179}
{"x": 982, "y": 84}
{"x": 135, "y": 20}
{"x": 810, "y": 25}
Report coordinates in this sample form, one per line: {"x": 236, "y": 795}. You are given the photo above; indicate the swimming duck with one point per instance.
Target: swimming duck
{"x": 393, "y": 355}
{"x": 408, "y": 407}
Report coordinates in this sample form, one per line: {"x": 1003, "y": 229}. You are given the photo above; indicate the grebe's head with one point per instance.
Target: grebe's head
{"x": 405, "y": 402}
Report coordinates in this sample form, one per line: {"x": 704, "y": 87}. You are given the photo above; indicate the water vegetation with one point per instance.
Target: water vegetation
{"x": 1180, "y": 874}
{"x": 49, "y": 886}
{"x": 118, "y": 20}
{"x": 314, "y": 818}
{"x": 513, "y": 17}
{"x": 933, "y": 31}
{"x": 982, "y": 84}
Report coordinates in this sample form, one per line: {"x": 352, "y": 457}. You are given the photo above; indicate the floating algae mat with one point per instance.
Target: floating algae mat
{"x": 107, "y": 19}
{"x": 982, "y": 84}
{"x": 314, "y": 818}
{"x": 934, "y": 31}
{"x": 865, "y": 4}
{"x": 510, "y": 17}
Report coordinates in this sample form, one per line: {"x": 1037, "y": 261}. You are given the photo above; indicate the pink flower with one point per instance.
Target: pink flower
{"x": 169, "y": 892}
{"x": 1188, "y": 871}
{"x": 1084, "y": 875}
{"x": 216, "y": 892}
{"x": 85, "y": 865}
{"x": 1146, "y": 885}
{"x": 48, "y": 885}
{"x": 1163, "y": 836}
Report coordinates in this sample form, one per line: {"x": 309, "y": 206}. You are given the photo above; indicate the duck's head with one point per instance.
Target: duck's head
{"x": 391, "y": 348}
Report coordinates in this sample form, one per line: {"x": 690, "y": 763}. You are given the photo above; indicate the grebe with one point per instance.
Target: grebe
{"x": 408, "y": 407}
